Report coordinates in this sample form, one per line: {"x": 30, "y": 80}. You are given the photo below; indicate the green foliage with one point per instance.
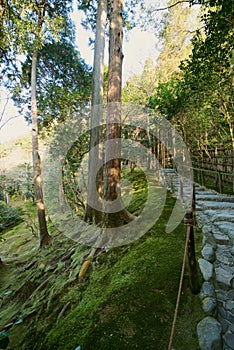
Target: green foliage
{"x": 165, "y": 99}
{"x": 74, "y": 179}
{"x": 28, "y": 26}
{"x": 175, "y": 45}
{"x": 138, "y": 89}
{"x": 63, "y": 79}
{"x": 24, "y": 21}
{"x": 9, "y": 217}
{"x": 9, "y": 185}
{"x": 63, "y": 83}
{"x": 180, "y": 23}
{"x": 200, "y": 100}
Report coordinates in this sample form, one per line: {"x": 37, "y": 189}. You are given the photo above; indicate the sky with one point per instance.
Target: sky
{"x": 16, "y": 126}
{"x": 137, "y": 47}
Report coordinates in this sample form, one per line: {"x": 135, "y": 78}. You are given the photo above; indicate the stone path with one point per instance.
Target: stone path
{"x": 215, "y": 216}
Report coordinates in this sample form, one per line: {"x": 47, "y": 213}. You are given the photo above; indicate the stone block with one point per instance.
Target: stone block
{"x": 229, "y": 316}
{"x": 209, "y": 334}
{"x": 208, "y": 252}
{"x": 229, "y": 339}
{"x": 224, "y": 276}
{"x": 206, "y": 269}
{"x": 206, "y": 229}
{"x": 221, "y": 238}
{"x": 230, "y": 294}
{"x": 231, "y": 328}
{"x": 229, "y": 305}
{"x": 226, "y": 228}
{"x": 232, "y": 250}
{"x": 221, "y": 295}
{"x": 231, "y": 236}
{"x": 209, "y": 306}
{"x": 207, "y": 290}
{"x": 225, "y": 325}
{"x": 225, "y": 257}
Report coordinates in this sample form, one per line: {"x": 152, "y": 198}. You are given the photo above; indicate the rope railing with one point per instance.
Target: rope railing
{"x": 189, "y": 253}
{"x": 179, "y": 293}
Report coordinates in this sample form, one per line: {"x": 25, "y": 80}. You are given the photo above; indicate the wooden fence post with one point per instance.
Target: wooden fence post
{"x": 220, "y": 182}
{"x": 165, "y": 179}
{"x": 190, "y": 222}
{"x": 193, "y": 276}
{"x": 171, "y": 183}
{"x": 181, "y": 189}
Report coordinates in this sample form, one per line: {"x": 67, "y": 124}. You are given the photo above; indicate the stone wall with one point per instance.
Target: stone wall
{"x": 215, "y": 217}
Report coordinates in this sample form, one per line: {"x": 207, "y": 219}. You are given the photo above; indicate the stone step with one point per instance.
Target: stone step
{"x": 217, "y": 205}
{"x": 227, "y": 228}
{"x": 214, "y": 197}
{"x": 204, "y": 193}
{"x": 224, "y": 215}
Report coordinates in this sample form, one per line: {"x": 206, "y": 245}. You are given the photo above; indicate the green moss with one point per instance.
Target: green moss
{"x": 126, "y": 301}
{"x": 130, "y": 298}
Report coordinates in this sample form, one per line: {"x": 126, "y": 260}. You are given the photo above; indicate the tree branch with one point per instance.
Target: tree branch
{"x": 7, "y": 121}
{"x": 194, "y": 31}
{"x": 2, "y": 121}
{"x": 4, "y": 106}
{"x": 176, "y": 3}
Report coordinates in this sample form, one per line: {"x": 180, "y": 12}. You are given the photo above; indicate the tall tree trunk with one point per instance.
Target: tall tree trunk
{"x": 113, "y": 122}
{"x": 112, "y": 189}
{"x": 94, "y": 214}
{"x": 45, "y": 238}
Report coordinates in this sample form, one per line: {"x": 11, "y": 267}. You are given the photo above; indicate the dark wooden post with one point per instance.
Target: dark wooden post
{"x": 220, "y": 182}
{"x": 171, "y": 183}
{"x": 181, "y": 189}
{"x": 190, "y": 222}
{"x": 165, "y": 179}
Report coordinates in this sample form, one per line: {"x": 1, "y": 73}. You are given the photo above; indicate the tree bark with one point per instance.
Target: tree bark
{"x": 112, "y": 190}
{"x": 113, "y": 122}
{"x": 92, "y": 213}
{"x": 45, "y": 238}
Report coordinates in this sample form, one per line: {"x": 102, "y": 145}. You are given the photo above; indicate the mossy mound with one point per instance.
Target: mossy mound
{"x": 125, "y": 301}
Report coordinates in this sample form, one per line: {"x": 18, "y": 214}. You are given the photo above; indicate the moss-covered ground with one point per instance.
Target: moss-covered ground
{"x": 126, "y": 300}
